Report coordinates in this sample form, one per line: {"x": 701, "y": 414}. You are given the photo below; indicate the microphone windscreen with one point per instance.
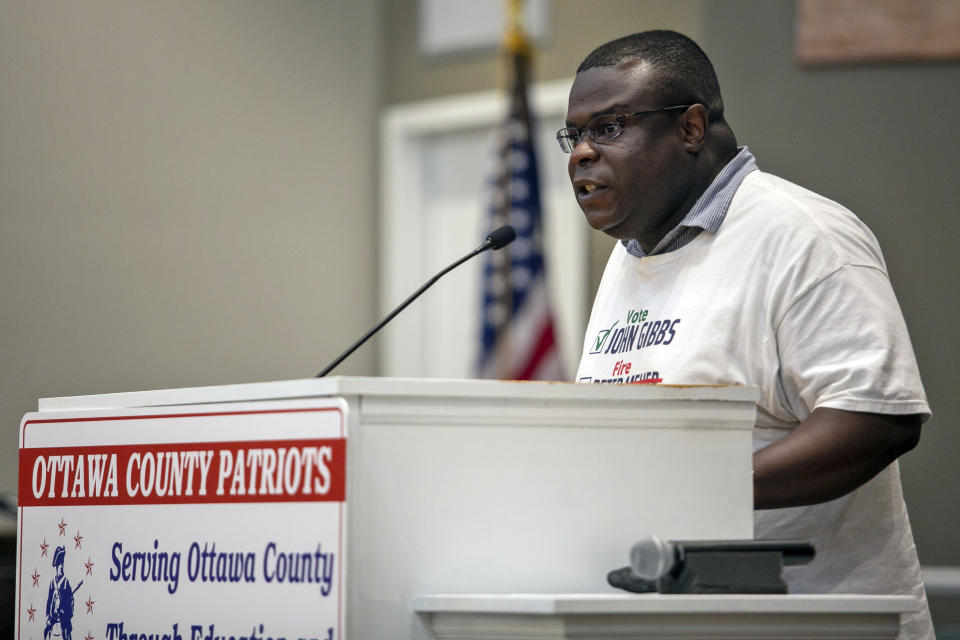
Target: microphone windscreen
{"x": 651, "y": 557}
{"x": 501, "y": 237}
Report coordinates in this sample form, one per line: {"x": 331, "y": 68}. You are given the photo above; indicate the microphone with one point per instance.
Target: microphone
{"x": 498, "y": 239}
{"x": 652, "y": 558}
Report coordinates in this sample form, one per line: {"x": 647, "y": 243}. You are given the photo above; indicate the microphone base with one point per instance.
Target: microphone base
{"x": 727, "y": 572}
{"x": 711, "y": 572}
{"x": 624, "y": 578}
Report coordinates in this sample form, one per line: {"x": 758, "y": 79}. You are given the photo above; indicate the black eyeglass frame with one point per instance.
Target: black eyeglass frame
{"x": 564, "y": 135}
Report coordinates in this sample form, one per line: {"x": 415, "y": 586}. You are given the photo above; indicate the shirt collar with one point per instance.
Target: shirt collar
{"x": 710, "y": 208}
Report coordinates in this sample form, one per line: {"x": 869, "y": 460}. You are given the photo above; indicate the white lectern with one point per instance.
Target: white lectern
{"x": 323, "y": 508}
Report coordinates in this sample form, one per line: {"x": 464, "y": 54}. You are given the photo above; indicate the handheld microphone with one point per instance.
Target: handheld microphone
{"x": 652, "y": 558}
{"x": 498, "y": 239}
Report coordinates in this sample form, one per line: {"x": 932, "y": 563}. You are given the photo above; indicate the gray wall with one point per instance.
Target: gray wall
{"x": 882, "y": 140}
{"x": 187, "y": 189}
{"x": 186, "y": 194}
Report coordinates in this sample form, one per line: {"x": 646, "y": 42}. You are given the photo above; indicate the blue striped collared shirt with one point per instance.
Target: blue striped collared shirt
{"x": 708, "y": 211}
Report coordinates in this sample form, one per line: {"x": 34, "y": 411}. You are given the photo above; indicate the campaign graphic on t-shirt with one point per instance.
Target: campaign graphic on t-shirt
{"x": 636, "y": 332}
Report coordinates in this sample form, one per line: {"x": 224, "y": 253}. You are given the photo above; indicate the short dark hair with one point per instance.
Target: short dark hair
{"x": 684, "y": 71}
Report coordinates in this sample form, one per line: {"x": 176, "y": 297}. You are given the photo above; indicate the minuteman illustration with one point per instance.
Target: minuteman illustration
{"x": 59, "y": 602}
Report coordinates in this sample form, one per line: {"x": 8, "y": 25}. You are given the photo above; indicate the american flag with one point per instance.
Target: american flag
{"x": 518, "y": 336}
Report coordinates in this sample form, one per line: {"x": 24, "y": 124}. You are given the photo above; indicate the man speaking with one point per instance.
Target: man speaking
{"x": 736, "y": 276}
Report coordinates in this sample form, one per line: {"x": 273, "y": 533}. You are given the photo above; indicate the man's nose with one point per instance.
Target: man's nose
{"x": 585, "y": 151}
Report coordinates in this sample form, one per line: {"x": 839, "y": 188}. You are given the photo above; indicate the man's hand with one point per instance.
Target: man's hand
{"x": 828, "y": 455}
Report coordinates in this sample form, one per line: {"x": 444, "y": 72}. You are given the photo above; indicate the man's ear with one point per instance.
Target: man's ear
{"x": 694, "y": 127}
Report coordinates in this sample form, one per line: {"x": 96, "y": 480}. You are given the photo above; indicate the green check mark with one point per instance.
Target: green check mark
{"x": 602, "y": 337}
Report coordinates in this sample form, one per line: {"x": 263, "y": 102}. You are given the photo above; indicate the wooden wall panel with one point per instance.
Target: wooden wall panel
{"x": 851, "y": 31}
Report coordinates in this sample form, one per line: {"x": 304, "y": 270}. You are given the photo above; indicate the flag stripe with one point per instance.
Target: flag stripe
{"x": 544, "y": 346}
{"x": 518, "y": 337}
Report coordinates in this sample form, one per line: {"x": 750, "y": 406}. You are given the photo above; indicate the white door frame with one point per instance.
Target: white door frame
{"x": 404, "y": 240}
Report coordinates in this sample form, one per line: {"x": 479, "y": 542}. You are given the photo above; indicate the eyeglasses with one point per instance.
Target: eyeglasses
{"x": 604, "y": 129}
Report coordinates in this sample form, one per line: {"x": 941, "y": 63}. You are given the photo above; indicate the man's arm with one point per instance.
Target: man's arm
{"x": 828, "y": 455}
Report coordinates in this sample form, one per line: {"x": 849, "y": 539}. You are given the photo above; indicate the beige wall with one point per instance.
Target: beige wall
{"x": 186, "y": 194}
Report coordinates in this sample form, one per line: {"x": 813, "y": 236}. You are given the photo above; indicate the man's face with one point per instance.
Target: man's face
{"x": 631, "y": 187}
{"x": 60, "y": 570}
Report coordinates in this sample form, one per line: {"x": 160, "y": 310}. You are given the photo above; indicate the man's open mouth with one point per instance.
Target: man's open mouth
{"x": 587, "y": 189}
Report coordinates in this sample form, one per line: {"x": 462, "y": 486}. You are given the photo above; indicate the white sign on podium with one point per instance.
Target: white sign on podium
{"x": 172, "y": 521}
{"x": 320, "y": 508}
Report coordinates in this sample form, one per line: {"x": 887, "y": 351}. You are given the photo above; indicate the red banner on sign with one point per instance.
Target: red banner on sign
{"x": 312, "y": 470}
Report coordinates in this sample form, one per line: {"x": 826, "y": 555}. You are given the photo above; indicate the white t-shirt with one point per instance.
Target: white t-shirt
{"x": 790, "y": 294}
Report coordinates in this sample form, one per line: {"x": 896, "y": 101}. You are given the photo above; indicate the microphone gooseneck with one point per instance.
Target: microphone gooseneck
{"x": 498, "y": 239}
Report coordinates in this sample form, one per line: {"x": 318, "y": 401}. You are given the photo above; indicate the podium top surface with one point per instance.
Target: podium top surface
{"x": 363, "y": 386}
{"x": 586, "y": 603}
